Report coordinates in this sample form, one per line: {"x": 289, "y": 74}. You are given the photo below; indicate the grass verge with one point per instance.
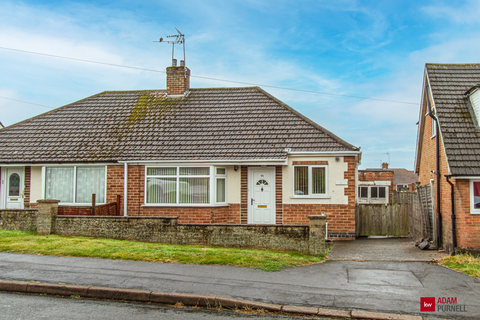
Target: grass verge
{"x": 464, "y": 263}
{"x": 53, "y": 245}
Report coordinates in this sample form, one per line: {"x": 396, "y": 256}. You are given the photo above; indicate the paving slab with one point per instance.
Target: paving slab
{"x": 388, "y": 249}
{"x": 335, "y": 285}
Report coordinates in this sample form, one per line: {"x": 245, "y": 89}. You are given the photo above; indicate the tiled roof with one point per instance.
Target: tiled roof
{"x": 404, "y": 176}
{"x": 207, "y": 124}
{"x": 461, "y": 138}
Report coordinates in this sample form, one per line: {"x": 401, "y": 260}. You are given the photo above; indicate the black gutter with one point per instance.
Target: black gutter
{"x": 437, "y": 153}
{"x": 454, "y": 218}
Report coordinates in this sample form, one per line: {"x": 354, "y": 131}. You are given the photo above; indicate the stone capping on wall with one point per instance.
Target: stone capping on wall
{"x": 308, "y": 239}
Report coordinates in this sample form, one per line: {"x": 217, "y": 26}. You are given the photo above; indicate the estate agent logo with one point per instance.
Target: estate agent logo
{"x": 427, "y": 304}
{"x": 443, "y": 304}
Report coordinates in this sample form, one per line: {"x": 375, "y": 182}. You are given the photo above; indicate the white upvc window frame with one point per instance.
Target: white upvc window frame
{"x": 212, "y": 181}
{"x": 310, "y": 183}
{"x": 473, "y": 210}
{"x": 219, "y": 177}
{"x": 369, "y": 198}
{"x": 44, "y": 181}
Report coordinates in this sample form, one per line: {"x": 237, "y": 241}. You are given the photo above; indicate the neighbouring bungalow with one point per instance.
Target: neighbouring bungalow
{"x": 448, "y": 150}
{"x": 216, "y": 155}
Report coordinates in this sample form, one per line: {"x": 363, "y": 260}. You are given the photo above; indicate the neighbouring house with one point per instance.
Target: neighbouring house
{"x": 217, "y": 155}
{"x": 377, "y": 185}
{"x": 448, "y": 150}
{"x": 404, "y": 180}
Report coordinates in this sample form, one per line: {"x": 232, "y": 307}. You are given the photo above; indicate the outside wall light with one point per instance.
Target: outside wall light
{"x": 235, "y": 168}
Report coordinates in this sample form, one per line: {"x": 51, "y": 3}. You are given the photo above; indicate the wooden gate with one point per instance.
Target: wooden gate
{"x": 382, "y": 220}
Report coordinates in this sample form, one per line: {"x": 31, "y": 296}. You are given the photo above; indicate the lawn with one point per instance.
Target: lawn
{"x": 464, "y": 263}
{"x": 53, "y": 245}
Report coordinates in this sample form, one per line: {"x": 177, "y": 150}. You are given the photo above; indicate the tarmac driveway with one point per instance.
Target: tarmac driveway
{"x": 386, "y": 249}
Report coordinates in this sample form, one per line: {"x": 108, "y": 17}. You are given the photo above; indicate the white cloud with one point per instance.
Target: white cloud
{"x": 466, "y": 14}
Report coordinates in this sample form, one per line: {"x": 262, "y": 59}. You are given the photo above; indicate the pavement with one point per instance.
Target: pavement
{"x": 388, "y": 249}
{"x": 347, "y": 289}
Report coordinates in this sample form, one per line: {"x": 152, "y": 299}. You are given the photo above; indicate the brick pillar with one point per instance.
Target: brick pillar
{"x": 317, "y": 230}
{"x": 47, "y": 212}
{"x": 178, "y": 80}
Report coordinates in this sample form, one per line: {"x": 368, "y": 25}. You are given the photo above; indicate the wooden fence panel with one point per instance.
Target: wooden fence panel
{"x": 383, "y": 220}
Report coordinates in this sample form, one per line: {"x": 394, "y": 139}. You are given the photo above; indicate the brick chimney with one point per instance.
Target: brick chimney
{"x": 385, "y": 165}
{"x": 178, "y": 81}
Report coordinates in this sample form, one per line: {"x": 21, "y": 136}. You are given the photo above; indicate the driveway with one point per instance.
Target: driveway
{"x": 387, "y": 249}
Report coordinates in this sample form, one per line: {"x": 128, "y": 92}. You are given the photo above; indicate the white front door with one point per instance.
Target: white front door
{"x": 261, "y": 191}
{"x": 12, "y": 187}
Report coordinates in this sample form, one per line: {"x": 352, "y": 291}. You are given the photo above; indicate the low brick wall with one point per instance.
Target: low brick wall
{"x": 167, "y": 230}
{"x": 303, "y": 238}
{"x": 23, "y": 220}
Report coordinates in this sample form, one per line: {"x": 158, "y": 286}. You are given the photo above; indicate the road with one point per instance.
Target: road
{"x": 379, "y": 286}
{"x": 29, "y": 306}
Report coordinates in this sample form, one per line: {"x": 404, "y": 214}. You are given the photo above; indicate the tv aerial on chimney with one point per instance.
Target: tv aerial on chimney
{"x": 175, "y": 39}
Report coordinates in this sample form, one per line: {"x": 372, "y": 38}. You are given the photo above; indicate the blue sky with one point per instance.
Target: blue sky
{"x": 361, "y": 48}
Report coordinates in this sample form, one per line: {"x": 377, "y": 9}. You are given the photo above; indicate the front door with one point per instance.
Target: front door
{"x": 12, "y": 185}
{"x": 261, "y": 190}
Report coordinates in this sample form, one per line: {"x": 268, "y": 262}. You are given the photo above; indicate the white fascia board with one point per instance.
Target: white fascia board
{"x": 265, "y": 162}
{"x": 69, "y": 164}
{"x": 323, "y": 153}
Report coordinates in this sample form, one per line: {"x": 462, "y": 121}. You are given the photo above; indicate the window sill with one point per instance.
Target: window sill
{"x": 477, "y": 212}
{"x": 310, "y": 197}
{"x": 206, "y": 205}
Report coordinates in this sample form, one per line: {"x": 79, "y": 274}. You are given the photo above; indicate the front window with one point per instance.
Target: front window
{"x": 475, "y": 197}
{"x": 75, "y": 185}
{"x": 309, "y": 181}
{"x": 185, "y": 185}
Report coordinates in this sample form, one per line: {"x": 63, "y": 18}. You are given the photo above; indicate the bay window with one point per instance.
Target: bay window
{"x": 310, "y": 181}
{"x": 75, "y": 185}
{"x": 185, "y": 185}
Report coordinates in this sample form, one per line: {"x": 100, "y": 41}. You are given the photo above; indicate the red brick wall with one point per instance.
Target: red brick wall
{"x": 468, "y": 225}
{"x": 340, "y": 217}
{"x": 177, "y": 83}
{"x": 278, "y": 195}
{"x": 115, "y": 182}
{"x": 244, "y": 195}
{"x": 386, "y": 175}
{"x": 26, "y": 191}
{"x": 427, "y": 171}
{"x": 309, "y": 162}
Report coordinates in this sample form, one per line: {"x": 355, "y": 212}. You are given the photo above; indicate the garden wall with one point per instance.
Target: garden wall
{"x": 23, "y": 220}
{"x": 303, "y": 238}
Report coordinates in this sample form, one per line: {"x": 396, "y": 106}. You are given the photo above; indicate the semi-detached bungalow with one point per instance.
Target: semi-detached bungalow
{"x": 220, "y": 155}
